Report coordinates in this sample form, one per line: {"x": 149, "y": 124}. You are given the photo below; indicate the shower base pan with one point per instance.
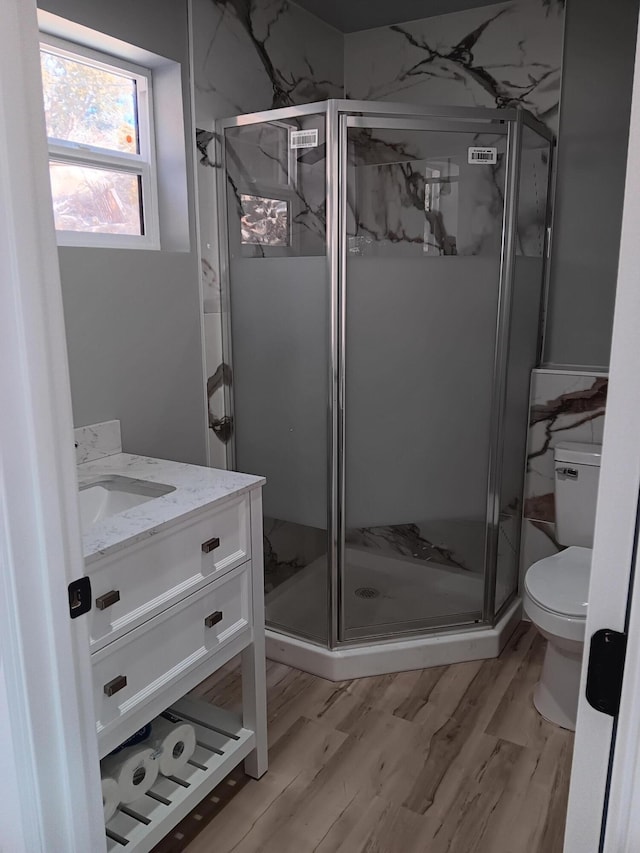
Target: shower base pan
{"x": 387, "y": 593}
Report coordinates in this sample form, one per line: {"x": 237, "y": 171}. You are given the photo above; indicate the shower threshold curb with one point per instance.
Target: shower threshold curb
{"x": 394, "y": 656}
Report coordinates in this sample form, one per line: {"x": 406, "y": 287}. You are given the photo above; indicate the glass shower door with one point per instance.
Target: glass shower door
{"x": 522, "y": 352}
{"x": 275, "y": 191}
{"x": 422, "y": 249}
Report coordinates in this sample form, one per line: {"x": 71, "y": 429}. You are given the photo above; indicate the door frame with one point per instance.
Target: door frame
{"x": 50, "y": 782}
{"x": 606, "y": 763}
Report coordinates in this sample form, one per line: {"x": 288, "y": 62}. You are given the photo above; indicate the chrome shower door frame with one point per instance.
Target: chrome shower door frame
{"x": 329, "y": 109}
{"x": 262, "y": 117}
{"x": 339, "y": 114}
{"x": 451, "y": 119}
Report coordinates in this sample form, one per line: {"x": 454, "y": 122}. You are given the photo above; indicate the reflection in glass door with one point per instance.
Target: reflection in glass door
{"x": 422, "y": 251}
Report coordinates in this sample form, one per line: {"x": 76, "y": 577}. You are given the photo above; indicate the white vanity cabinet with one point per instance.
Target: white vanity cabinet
{"x": 177, "y": 589}
{"x": 133, "y": 586}
{"x": 137, "y": 676}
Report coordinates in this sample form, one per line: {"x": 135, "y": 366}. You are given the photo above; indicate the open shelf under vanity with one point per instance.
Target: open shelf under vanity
{"x": 222, "y": 743}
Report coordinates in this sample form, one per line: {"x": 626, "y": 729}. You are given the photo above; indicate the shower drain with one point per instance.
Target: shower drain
{"x": 367, "y": 592}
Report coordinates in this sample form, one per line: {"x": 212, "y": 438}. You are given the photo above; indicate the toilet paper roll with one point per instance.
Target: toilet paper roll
{"x": 134, "y": 769}
{"x": 110, "y": 797}
{"x": 174, "y": 742}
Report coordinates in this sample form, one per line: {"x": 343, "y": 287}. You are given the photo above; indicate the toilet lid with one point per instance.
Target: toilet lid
{"x": 561, "y": 582}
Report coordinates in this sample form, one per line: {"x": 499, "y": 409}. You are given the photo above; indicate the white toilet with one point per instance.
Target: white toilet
{"x": 556, "y": 588}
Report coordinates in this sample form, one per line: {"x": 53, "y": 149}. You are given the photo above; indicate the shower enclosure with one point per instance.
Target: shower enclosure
{"x": 383, "y": 271}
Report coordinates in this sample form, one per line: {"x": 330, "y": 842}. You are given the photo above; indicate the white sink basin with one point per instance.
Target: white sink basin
{"x": 111, "y": 494}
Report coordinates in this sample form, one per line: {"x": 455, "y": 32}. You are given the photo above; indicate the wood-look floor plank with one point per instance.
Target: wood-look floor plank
{"x": 513, "y": 824}
{"x": 247, "y": 822}
{"x": 351, "y": 828}
{"x": 381, "y": 827}
{"x": 258, "y": 812}
{"x": 447, "y": 760}
{"x": 365, "y": 761}
{"x": 513, "y": 719}
{"x": 417, "y": 700}
{"x": 470, "y": 717}
{"x": 531, "y": 816}
{"x": 457, "y": 822}
{"x": 552, "y": 829}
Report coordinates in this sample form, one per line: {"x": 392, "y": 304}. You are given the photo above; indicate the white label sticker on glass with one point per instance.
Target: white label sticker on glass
{"x": 483, "y": 156}
{"x": 304, "y": 138}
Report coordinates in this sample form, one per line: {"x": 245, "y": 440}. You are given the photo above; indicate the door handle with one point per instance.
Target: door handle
{"x": 607, "y": 654}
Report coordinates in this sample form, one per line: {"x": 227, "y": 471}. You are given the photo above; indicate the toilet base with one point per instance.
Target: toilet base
{"x": 558, "y": 691}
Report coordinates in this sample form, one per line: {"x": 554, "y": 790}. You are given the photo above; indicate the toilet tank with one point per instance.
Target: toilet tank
{"x": 577, "y": 470}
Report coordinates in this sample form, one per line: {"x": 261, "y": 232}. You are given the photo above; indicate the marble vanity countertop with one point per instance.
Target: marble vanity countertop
{"x": 196, "y": 488}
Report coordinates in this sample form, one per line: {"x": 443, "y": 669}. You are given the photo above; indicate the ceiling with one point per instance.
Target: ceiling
{"x": 351, "y": 15}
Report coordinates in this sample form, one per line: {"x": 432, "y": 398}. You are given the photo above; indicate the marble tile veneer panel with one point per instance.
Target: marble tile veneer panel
{"x": 208, "y": 220}
{"x": 218, "y": 377}
{"x": 247, "y": 57}
{"x": 97, "y": 441}
{"x": 289, "y": 548}
{"x": 503, "y": 55}
{"x": 250, "y": 57}
{"x": 262, "y": 55}
{"x": 564, "y": 406}
{"x": 455, "y": 544}
{"x": 538, "y": 541}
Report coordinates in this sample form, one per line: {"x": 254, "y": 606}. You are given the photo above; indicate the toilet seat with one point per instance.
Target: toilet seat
{"x": 560, "y": 583}
{"x": 555, "y": 624}
{"x": 556, "y": 593}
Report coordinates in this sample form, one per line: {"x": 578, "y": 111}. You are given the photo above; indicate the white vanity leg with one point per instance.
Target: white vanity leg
{"x": 254, "y": 687}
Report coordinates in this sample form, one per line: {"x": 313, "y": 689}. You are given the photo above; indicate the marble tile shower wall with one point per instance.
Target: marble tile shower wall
{"x": 564, "y": 406}
{"x": 503, "y": 55}
{"x": 260, "y": 54}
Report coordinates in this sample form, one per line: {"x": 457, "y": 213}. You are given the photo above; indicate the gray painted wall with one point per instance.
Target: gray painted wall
{"x": 594, "y": 129}
{"x": 133, "y": 317}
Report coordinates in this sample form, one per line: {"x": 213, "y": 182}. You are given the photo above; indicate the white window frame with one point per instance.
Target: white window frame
{"x": 141, "y": 165}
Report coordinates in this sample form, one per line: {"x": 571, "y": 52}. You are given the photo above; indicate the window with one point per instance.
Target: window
{"x": 99, "y": 120}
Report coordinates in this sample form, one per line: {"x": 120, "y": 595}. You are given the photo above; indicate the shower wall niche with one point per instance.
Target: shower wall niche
{"x": 383, "y": 267}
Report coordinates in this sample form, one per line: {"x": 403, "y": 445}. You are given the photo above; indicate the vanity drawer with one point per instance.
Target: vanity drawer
{"x": 135, "y": 584}
{"x": 134, "y": 670}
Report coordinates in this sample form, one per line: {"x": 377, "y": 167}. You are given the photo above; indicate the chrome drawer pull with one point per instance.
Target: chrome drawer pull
{"x": 115, "y": 684}
{"x": 210, "y": 545}
{"x": 212, "y": 620}
{"x": 106, "y": 600}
